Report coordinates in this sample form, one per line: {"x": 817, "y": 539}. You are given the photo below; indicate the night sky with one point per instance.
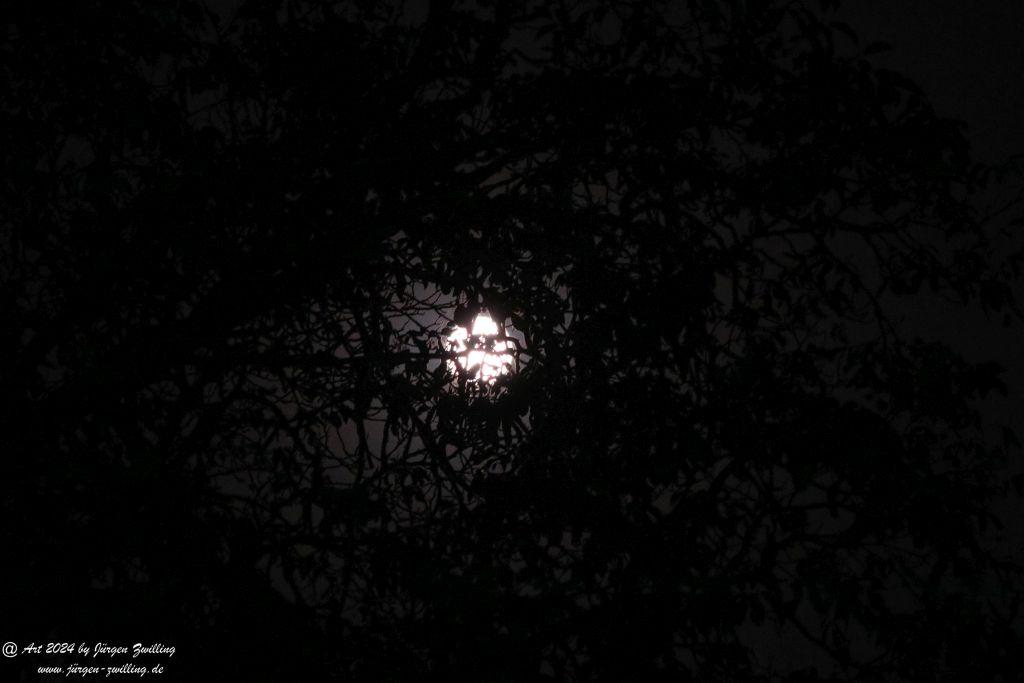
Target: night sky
{"x": 240, "y": 233}
{"x": 969, "y": 60}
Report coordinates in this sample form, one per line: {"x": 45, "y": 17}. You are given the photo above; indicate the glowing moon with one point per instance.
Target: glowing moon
{"x": 482, "y": 353}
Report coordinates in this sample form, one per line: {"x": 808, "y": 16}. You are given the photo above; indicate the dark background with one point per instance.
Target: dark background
{"x": 187, "y": 324}
{"x": 968, "y": 59}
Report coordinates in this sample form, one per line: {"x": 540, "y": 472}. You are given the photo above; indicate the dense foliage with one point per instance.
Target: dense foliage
{"x": 232, "y": 237}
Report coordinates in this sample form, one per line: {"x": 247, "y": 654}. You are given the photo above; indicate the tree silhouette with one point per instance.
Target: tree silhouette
{"x": 233, "y": 240}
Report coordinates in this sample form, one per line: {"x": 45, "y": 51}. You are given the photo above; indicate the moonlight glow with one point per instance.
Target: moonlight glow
{"x": 482, "y": 353}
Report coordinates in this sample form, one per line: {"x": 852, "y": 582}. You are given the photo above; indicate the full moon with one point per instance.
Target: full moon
{"x": 481, "y": 353}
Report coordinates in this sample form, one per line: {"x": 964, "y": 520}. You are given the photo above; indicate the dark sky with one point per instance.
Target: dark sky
{"x": 968, "y": 57}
